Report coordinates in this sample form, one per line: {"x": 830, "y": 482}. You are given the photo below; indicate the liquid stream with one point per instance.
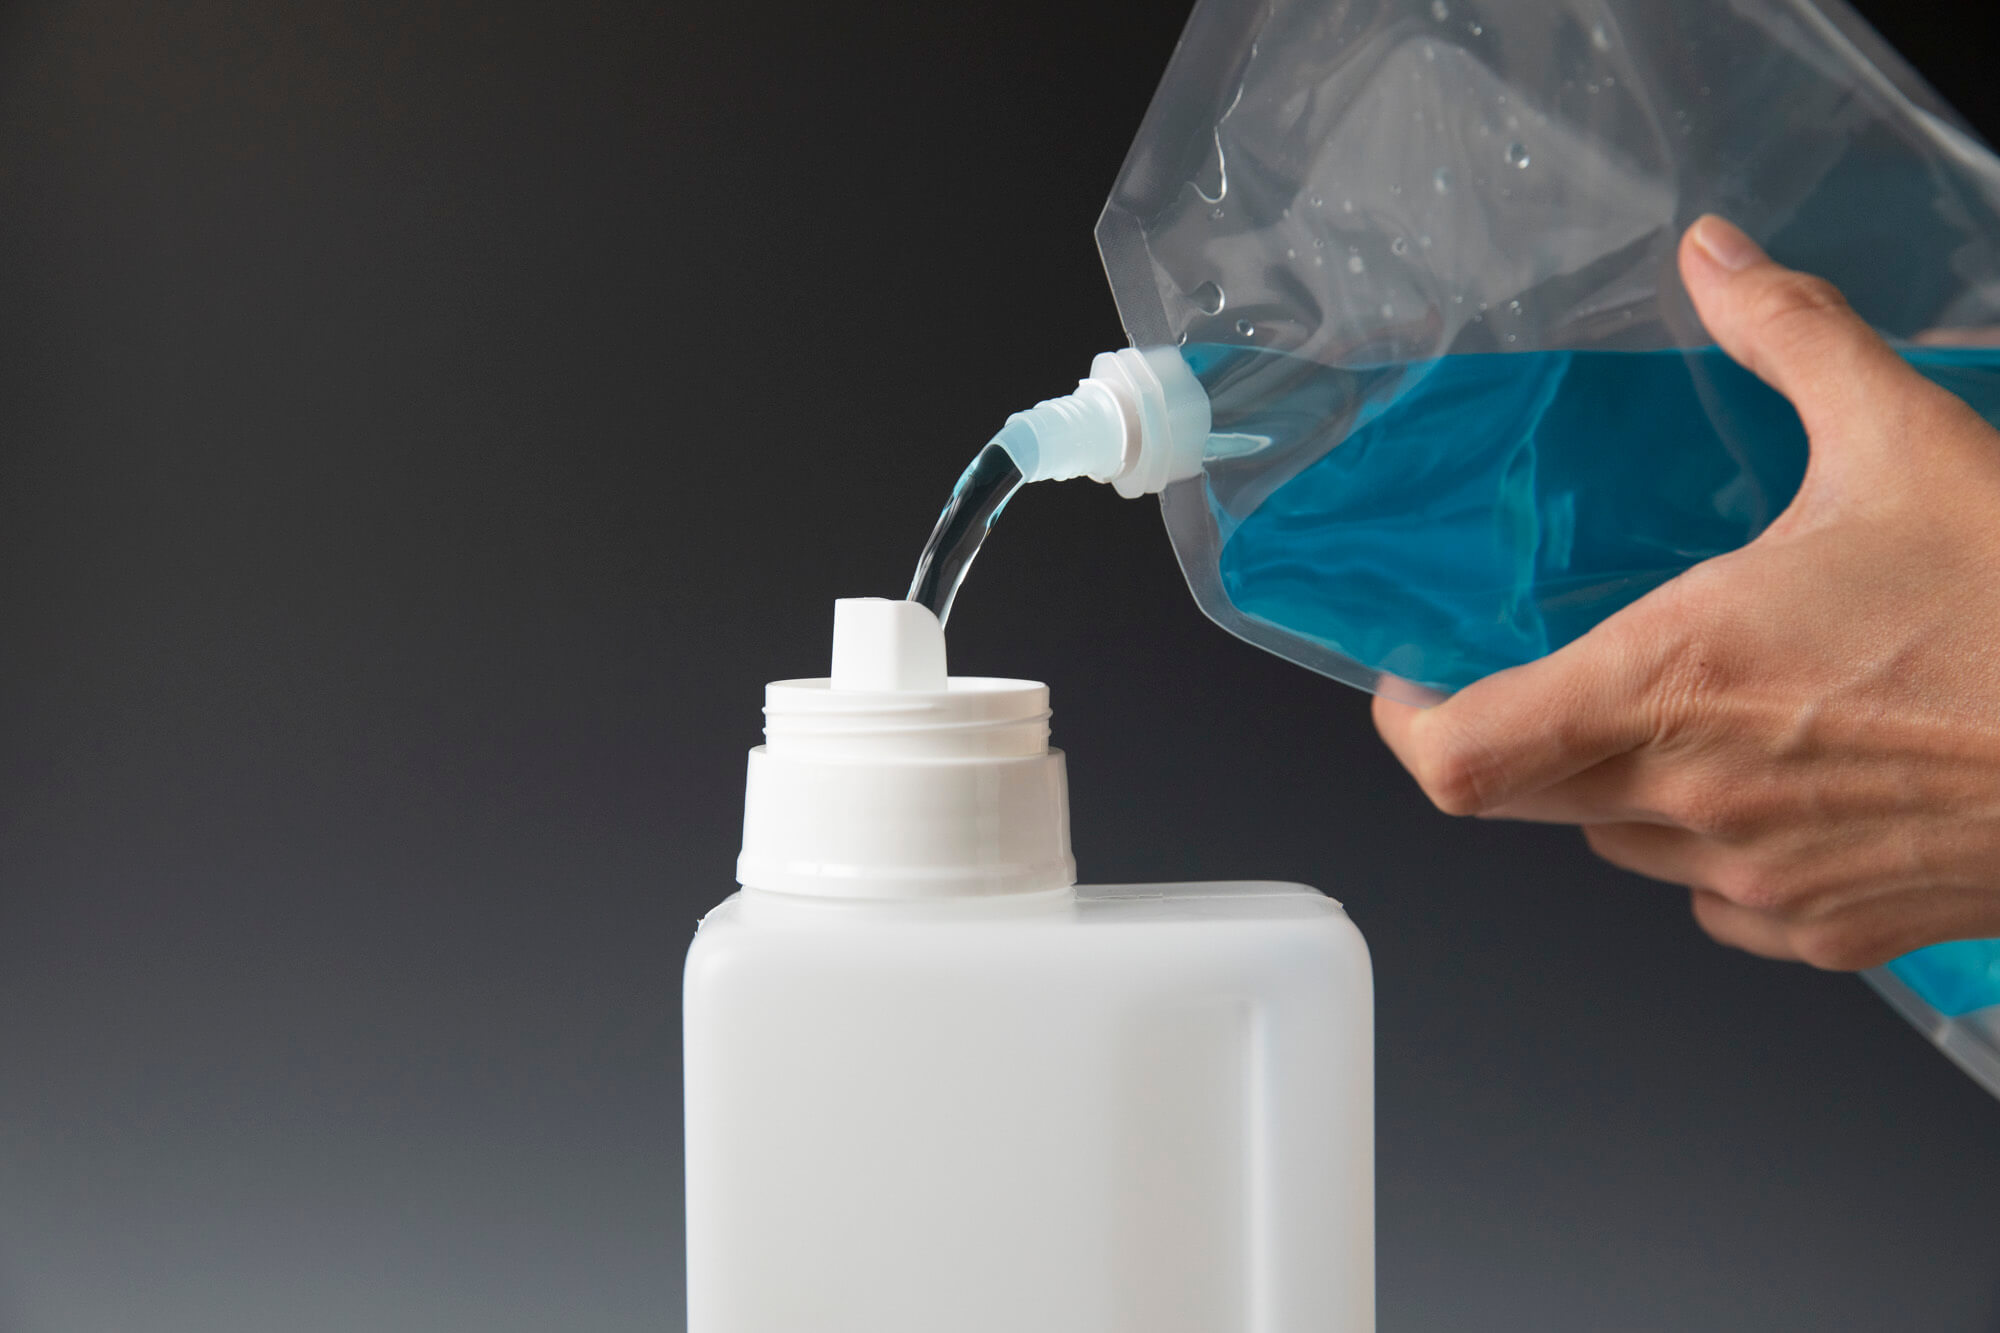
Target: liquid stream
{"x": 982, "y": 492}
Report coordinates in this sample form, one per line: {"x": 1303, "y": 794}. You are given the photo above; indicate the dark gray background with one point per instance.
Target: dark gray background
{"x": 424, "y": 428}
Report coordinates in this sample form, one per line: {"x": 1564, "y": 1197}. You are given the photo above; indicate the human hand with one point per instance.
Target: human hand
{"x": 1806, "y": 732}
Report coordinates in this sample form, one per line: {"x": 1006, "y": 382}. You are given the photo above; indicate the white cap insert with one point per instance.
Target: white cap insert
{"x": 883, "y": 645}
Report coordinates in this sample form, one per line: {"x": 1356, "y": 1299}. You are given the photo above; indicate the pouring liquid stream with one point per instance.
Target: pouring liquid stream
{"x": 982, "y": 492}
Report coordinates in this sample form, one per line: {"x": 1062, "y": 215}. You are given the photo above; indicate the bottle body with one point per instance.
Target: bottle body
{"x": 1136, "y": 1108}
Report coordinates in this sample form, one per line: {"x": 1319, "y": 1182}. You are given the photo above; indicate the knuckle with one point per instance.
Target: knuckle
{"x": 1707, "y": 807}
{"x": 1793, "y": 307}
{"x": 1687, "y": 691}
{"x": 1710, "y": 914}
{"x": 1727, "y": 924}
{"x": 1454, "y": 769}
{"x": 1838, "y": 946}
{"x": 1758, "y": 887}
{"x": 1605, "y": 841}
{"x": 1613, "y": 845}
{"x": 1452, "y": 779}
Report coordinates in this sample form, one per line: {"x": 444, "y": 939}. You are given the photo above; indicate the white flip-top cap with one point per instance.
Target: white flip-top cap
{"x": 891, "y": 779}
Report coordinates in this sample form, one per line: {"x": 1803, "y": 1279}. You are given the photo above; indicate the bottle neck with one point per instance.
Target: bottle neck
{"x": 973, "y": 717}
{"x": 907, "y": 795}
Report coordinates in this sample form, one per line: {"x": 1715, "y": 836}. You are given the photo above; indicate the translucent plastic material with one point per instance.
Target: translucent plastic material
{"x": 1144, "y": 1108}
{"x": 933, "y": 1087}
{"x": 1421, "y": 254}
{"x": 1951, "y": 992}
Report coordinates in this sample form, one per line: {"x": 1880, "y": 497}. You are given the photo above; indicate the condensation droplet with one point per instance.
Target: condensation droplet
{"x": 1319, "y": 261}
{"x": 1291, "y": 253}
{"x": 1513, "y": 307}
{"x": 1319, "y": 242}
{"x": 1441, "y": 180}
{"x": 1423, "y": 242}
{"x": 1513, "y": 337}
{"x": 1430, "y": 52}
{"x": 1215, "y": 213}
{"x": 1356, "y": 264}
{"x": 1317, "y": 202}
{"x": 1347, "y": 205}
{"x": 1440, "y": 10}
{"x": 1599, "y": 38}
{"x": 1246, "y": 328}
{"x": 1208, "y": 298}
{"x": 1458, "y": 298}
{"x": 1395, "y": 187}
{"x": 1482, "y": 307}
{"x": 1475, "y": 30}
{"x": 1399, "y": 246}
{"x": 1182, "y": 340}
{"x": 1388, "y": 311}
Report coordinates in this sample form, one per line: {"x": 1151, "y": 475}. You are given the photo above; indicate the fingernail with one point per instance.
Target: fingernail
{"x": 1725, "y": 243}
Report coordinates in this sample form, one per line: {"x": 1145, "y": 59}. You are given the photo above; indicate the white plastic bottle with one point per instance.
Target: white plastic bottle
{"x": 932, "y": 1087}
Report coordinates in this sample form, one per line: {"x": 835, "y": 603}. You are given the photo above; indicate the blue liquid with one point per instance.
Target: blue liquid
{"x": 1447, "y": 519}
{"x": 1954, "y": 978}
{"x": 982, "y": 492}
{"x": 1463, "y": 515}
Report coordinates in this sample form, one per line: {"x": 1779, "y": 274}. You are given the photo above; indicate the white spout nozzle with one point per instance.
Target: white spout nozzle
{"x": 1139, "y": 421}
{"x": 887, "y": 646}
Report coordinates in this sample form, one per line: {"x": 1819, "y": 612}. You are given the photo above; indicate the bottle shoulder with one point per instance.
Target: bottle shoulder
{"x": 1246, "y": 900}
{"x": 1087, "y": 905}
{"x": 1248, "y": 929}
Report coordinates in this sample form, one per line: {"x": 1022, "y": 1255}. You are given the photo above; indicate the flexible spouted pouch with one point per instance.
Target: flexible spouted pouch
{"x": 1421, "y": 256}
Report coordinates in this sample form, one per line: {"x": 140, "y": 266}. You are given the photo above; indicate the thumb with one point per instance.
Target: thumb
{"x": 1793, "y": 331}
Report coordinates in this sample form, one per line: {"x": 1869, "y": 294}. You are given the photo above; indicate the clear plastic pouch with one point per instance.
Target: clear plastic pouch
{"x": 1345, "y": 213}
{"x": 1421, "y": 254}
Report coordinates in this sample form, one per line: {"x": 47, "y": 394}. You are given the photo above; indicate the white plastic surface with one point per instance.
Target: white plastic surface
{"x": 1142, "y": 1109}
{"x": 889, "y": 780}
{"x": 1139, "y": 421}
{"x": 932, "y": 1088}
{"x": 883, "y": 645}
